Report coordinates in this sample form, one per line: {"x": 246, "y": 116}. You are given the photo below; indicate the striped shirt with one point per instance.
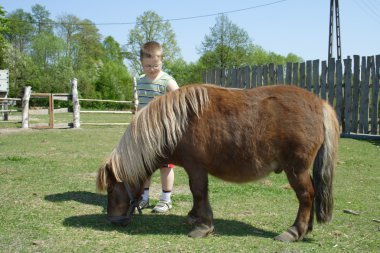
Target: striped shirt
{"x": 148, "y": 89}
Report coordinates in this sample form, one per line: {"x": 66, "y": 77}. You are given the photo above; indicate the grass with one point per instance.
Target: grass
{"x": 49, "y": 202}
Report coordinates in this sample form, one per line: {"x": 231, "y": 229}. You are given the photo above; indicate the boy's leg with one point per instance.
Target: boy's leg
{"x": 167, "y": 182}
{"x": 167, "y": 179}
{"x": 144, "y": 202}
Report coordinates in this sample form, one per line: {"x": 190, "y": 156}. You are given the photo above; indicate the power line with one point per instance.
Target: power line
{"x": 165, "y": 20}
{"x": 369, "y": 10}
{"x": 227, "y": 12}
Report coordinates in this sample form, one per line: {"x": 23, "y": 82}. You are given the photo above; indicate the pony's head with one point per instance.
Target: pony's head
{"x": 118, "y": 198}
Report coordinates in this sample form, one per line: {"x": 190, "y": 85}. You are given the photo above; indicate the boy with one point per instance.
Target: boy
{"x": 155, "y": 82}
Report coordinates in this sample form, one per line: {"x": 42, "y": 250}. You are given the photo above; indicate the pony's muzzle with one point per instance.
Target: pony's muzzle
{"x": 119, "y": 220}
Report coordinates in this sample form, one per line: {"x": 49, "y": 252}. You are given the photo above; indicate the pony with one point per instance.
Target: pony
{"x": 235, "y": 135}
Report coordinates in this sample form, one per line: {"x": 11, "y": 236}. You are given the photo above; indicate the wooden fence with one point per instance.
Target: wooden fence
{"x": 74, "y": 97}
{"x": 351, "y": 86}
{"x": 77, "y": 111}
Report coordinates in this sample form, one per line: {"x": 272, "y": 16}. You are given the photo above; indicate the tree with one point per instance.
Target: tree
{"x": 112, "y": 50}
{"x": 22, "y": 70}
{"x": 41, "y": 19}
{"x": 20, "y": 30}
{"x": 226, "y": 46}
{"x": 229, "y": 46}
{"x": 67, "y": 27}
{"x": 46, "y": 49}
{"x": 88, "y": 44}
{"x": 259, "y": 56}
{"x": 83, "y": 49}
{"x": 185, "y": 73}
{"x": 3, "y": 30}
{"x": 151, "y": 26}
{"x": 114, "y": 81}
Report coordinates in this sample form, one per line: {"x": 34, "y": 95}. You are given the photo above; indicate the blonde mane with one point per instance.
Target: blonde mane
{"x": 154, "y": 131}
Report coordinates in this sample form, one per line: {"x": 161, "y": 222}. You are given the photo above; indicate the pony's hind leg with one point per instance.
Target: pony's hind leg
{"x": 302, "y": 185}
{"x": 201, "y": 214}
{"x": 311, "y": 219}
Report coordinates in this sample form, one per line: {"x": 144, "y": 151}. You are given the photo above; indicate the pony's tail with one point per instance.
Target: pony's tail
{"x": 324, "y": 166}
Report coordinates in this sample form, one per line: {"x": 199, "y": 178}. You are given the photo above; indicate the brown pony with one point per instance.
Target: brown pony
{"x": 235, "y": 135}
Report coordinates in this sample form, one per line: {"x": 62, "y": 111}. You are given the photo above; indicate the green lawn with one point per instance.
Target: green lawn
{"x": 49, "y": 202}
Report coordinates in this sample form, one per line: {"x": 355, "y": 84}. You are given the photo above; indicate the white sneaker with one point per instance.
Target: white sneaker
{"x": 162, "y": 207}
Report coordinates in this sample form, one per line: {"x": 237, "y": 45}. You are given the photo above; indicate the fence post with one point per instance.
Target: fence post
{"x": 280, "y": 74}
{"x": 316, "y": 80}
{"x": 339, "y": 91}
{"x": 76, "y": 105}
{"x": 135, "y": 95}
{"x": 331, "y": 81}
{"x": 375, "y": 93}
{"x": 25, "y": 106}
{"x": 346, "y": 124}
{"x": 295, "y": 74}
{"x": 309, "y": 76}
{"x": 355, "y": 94}
{"x": 51, "y": 110}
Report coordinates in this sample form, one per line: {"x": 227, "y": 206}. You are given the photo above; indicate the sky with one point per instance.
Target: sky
{"x": 300, "y": 27}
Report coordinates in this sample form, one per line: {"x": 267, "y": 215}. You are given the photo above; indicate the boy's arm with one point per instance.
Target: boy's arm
{"x": 172, "y": 85}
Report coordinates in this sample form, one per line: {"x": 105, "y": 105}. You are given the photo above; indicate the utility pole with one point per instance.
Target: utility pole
{"x": 334, "y": 5}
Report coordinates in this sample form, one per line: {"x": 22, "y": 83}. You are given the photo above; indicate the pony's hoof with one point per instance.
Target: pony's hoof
{"x": 191, "y": 220}
{"x": 290, "y": 235}
{"x": 201, "y": 231}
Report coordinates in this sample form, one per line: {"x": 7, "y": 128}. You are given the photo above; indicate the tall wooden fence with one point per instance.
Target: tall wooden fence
{"x": 351, "y": 86}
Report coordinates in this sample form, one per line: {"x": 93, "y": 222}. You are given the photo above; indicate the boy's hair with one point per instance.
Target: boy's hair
{"x": 151, "y": 49}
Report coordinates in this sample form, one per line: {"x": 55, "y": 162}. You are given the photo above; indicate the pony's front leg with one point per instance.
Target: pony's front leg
{"x": 302, "y": 185}
{"x": 201, "y": 214}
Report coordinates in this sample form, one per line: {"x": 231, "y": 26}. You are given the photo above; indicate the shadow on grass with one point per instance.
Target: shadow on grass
{"x": 164, "y": 224}
{"x": 375, "y": 142}
{"x": 84, "y": 197}
{"x": 148, "y": 223}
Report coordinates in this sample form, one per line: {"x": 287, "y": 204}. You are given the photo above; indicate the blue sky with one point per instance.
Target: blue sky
{"x": 288, "y": 26}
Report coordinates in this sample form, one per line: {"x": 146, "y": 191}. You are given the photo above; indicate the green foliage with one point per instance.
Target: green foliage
{"x": 112, "y": 50}
{"x": 22, "y": 69}
{"x": 259, "y": 56}
{"x": 3, "y": 24}
{"x": 114, "y": 82}
{"x": 41, "y": 18}
{"x": 3, "y": 30}
{"x": 228, "y": 46}
{"x": 20, "y": 30}
{"x": 184, "y": 73}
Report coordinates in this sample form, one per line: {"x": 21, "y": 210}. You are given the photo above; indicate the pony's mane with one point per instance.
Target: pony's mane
{"x": 155, "y": 131}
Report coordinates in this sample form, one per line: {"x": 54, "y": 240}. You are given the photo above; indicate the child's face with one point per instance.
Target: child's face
{"x": 151, "y": 67}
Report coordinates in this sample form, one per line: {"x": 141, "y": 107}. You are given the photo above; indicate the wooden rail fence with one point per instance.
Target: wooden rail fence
{"x": 351, "y": 86}
{"x": 73, "y": 96}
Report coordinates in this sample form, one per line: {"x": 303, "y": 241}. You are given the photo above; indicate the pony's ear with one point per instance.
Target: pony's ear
{"x": 101, "y": 180}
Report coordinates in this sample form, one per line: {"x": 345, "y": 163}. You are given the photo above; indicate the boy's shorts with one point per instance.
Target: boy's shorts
{"x": 171, "y": 166}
